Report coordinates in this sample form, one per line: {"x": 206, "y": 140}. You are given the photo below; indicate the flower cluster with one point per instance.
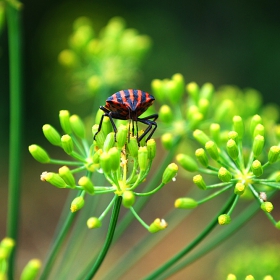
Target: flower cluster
{"x": 30, "y": 271}
{"x": 238, "y": 167}
{"x": 103, "y": 62}
{"x": 123, "y": 161}
{"x": 265, "y": 266}
{"x": 186, "y": 107}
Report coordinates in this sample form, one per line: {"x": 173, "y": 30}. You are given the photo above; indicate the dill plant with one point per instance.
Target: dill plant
{"x": 230, "y": 145}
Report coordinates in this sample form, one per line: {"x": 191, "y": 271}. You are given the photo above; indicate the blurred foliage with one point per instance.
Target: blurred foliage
{"x": 102, "y": 63}
{"x": 257, "y": 260}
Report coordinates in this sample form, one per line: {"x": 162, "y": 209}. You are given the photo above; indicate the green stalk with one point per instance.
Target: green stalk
{"x": 189, "y": 247}
{"x": 109, "y": 238}
{"x": 57, "y": 244}
{"x": 217, "y": 240}
{"x": 14, "y": 39}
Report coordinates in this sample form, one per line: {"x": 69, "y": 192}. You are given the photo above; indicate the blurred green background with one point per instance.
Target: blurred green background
{"x": 207, "y": 41}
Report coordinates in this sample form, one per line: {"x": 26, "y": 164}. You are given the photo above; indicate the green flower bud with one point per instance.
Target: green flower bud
{"x": 86, "y": 184}
{"x": 195, "y": 120}
{"x": 165, "y": 114}
{"x": 100, "y": 137}
{"x": 167, "y": 140}
{"x": 81, "y": 37}
{"x": 94, "y": 222}
{"x": 31, "y": 270}
{"x": 201, "y": 157}
{"x": 268, "y": 277}
{"x": 258, "y": 145}
{"x": 238, "y": 126}
{"x": 249, "y": 277}
{"x": 257, "y": 168}
{"x": 224, "y": 219}
{"x": 39, "y": 153}
{"x": 231, "y": 277}
{"x": 239, "y": 188}
{"x": 193, "y": 91}
{"x": 267, "y": 206}
{"x": 106, "y": 126}
{"x": 143, "y": 158}
{"x": 207, "y": 91}
{"x": 54, "y": 179}
{"x": 115, "y": 156}
{"x": 233, "y": 135}
{"x": 157, "y": 225}
{"x": 122, "y": 136}
{"x": 224, "y": 175}
{"x": 185, "y": 203}
{"x": 109, "y": 142}
{"x": 132, "y": 146}
{"x": 256, "y": 119}
{"x": 78, "y": 126}
{"x": 157, "y": 89}
{"x": 64, "y": 117}
{"x": 232, "y": 149}
{"x": 6, "y": 246}
{"x": 171, "y": 93}
{"x": 193, "y": 109}
{"x": 179, "y": 82}
{"x": 212, "y": 149}
{"x": 198, "y": 180}
{"x": 52, "y": 135}
{"x": 201, "y": 137}
{"x": 67, "y": 58}
{"x": 259, "y": 130}
{"x": 151, "y": 146}
{"x": 105, "y": 162}
{"x": 128, "y": 199}
{"x": 203, "y": 105}
{"x": 77, "y": 204}
{"x": 215, "y": 131}
{"x": 187, "y": 162}
{"x": 67, "y": 144}
{"x": 277, "y": 225}
{"x": 65, "y": 173}
{"x": 169, "y": 173}
{"x": 273, "y": 154}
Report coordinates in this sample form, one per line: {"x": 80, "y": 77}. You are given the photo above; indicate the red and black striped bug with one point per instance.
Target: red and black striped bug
{"x": 129, "y": 104}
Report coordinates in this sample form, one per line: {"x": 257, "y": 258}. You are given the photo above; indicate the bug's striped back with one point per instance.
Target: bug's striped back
{"x": 128, "y": 101}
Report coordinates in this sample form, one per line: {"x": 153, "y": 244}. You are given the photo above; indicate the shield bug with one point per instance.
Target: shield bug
{"x": 129, "y": 104}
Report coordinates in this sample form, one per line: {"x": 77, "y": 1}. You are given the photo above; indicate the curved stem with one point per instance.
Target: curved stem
{"x": 109, "y": 238}
{"x": 14, "y": 36}
{"x": 189, "y": 247}
{"x": 216, "y": 241}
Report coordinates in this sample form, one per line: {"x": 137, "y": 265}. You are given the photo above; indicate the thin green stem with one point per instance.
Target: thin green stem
{"x": 189, "y": 247}
{"x": 233, "y": 204}
{"x": 214, "y": 194}
{"x": 57, "y": 245}
{"x": 138, "y": 218}
{"x": 216, "y": 240}
{"x": 108, "y": 241}
{"x": 15, "y": 65}
{"x": 151, "y": 192}
{"x": 66, "y": 162}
